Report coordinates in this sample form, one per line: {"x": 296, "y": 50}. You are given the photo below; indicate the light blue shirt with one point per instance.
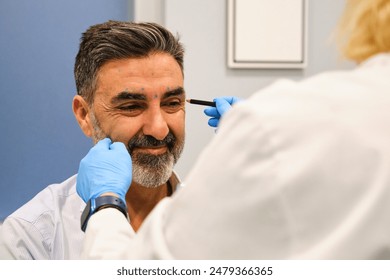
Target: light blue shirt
{"x": 48, "y": 226}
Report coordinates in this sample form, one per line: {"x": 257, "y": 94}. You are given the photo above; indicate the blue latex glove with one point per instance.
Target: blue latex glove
{"x": 106, "y": 168}
{"x": 223, "y": 104}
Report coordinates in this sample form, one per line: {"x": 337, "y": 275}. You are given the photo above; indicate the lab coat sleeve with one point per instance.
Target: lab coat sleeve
{"x": 110, "y": 236}
{"x": 108, "y": 231}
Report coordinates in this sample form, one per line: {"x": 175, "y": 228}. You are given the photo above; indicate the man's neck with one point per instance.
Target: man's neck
{"x": 141, "y": 200}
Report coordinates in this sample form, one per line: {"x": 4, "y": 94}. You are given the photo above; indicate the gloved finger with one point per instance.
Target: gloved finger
{"x": 212, "y": 112}
{"x": 222, "y": 105}
{"x": 121, "y": 152}
{"x": 117, "y": 146}
{"x": 213, "y": 122}
{"x": 103, "y": 144}
{"x": 232, "y": 99}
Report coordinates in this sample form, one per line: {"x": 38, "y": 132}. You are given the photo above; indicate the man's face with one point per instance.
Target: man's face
{"x": 140, "y": 102}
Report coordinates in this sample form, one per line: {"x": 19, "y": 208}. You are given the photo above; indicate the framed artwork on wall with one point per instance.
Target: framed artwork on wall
{"x": 267, "y": 33}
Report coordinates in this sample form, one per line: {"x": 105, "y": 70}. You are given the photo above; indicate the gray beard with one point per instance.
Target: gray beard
{"x": 150, "y": 171}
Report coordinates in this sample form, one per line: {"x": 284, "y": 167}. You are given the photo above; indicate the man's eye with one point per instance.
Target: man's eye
{"x": 131, "y": 107}
{"x": 172, "y": 104}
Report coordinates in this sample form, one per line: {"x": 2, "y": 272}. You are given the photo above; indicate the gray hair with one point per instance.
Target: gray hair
{"x": 120, "y": 40}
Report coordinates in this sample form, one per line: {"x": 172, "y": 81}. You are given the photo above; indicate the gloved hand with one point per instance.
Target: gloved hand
{"x": 223, "y": 104}
{"x": 106, "y": 168}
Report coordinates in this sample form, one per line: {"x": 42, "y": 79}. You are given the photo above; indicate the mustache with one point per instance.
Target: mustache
{"x": 141, "y": 141}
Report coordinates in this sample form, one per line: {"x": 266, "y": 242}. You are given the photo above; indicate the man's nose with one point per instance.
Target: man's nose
{"x": 155, "y": 124}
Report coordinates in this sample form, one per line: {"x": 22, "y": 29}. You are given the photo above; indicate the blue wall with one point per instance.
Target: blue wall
{"x": 41, "y": 142}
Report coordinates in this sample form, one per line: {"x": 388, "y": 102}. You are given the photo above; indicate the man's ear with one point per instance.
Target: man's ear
{"x": 80, "y": 110}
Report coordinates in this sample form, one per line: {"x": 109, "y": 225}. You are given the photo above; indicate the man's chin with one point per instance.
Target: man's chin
{"x": 152, "y": 177}
{"x": 150, "y": 170}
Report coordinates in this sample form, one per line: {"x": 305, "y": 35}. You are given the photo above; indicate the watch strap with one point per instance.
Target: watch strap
{"x": 101, "y": 202}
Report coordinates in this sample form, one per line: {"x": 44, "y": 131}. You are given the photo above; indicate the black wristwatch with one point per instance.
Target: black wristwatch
{"x": 95, "y": 204}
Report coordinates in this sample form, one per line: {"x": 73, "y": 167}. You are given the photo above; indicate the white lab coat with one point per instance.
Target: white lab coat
{"x": 301, "y": 170}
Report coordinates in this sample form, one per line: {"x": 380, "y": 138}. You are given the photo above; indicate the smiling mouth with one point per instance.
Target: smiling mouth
{"x": 154, "y": 150}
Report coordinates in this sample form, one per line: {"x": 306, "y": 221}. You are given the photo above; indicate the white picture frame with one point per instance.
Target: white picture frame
{"x": 267, "y": 34}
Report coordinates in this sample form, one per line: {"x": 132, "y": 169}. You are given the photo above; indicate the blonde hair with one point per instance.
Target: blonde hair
{"x": 364, "y": 29}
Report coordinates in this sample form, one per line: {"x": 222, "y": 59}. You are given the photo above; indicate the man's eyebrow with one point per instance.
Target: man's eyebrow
{"x": 125, "y": 95}
{"x": 174, "y": 92}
